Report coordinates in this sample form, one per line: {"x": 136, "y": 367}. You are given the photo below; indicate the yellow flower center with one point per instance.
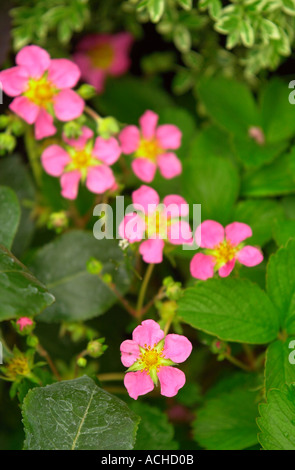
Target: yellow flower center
{"x": 17, "y": 366}
{"x": 40, "y": 92}
{"x": 101, "y": 56}
{"x": 224, "y": 252}
{"x": 81, "y": 159}
{"x": 150, "y": 358}
{"x": 148, "y": 149}
{"x": 157, "y": 223}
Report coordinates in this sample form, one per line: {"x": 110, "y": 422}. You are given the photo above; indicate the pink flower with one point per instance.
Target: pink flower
{"x": 100, "y": 55}
{"x": 151, "y": 146}
{"x": 158, "y": 223}
{"x": 150, "y": 356}
{"x": 82, "y": 160}
{"x": 41, "y": 88}
{"x": 23, "y": 322}
{"x": 223, "y": 248}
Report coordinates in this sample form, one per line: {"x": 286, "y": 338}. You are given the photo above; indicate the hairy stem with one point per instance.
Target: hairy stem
{"x": 143, "y": 289}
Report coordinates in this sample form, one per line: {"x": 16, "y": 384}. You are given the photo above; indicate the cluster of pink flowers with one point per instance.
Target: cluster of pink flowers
{"x": 159, "y": 224}
{"x": 101, "y": 55}
{"x": 151, "y": 147}
{"x": 150, "y": 357}
{"x": 42, "y": 89}
{"x": 223, "y": 247}
{"x": 82, "y": 159}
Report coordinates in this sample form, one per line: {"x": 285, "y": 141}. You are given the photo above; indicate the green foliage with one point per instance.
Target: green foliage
{"x": 9, "y": 216}
{"x": 82, "y": 415}
{"x": 278, "y": 369}
{"x": 277, "y": 418}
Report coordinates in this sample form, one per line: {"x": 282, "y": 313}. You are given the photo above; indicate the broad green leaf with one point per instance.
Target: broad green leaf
{"x": 154, "y": 430}
{"x": 277, "y": 420}
{"x": 61, "y": 265}
{"x": 21, "y": 294}
{"x": 211, "y": 141}
{"x": 231, "y": 309}
{"x": 261, "y": 215}
{"x": 278, "y": 369}
{"x": 77, "y": 415}
{"x": 274, "y": 179}
{"x": 228, "y": 422}
{"x": 283, "y": 230}
{"x": 9, "y": 216}
{"x": 229, "y": 103}
{"x": 212, "y": 182}
{"x": 277, "y": 114}
{"x": 118, "y": 95}
{"x": 280, "y": 283}
{"x": 14, "y": 173}
{"x": 254, "y": 155}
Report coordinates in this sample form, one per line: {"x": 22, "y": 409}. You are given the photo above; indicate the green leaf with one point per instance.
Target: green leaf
{"x": 278, "y": 369}
{"x": 289, "y": 7}
{"x": 229, "y": 103}
{"x": 228, "y": 422}
{"x": 116, "y": 99}
{"x": 268, "y": 28}
{"x": 61, "y": 265}
{"x": 247, "y": 33}
{"x": 154, "y": 431}
{"x": 185, "y": 4}
{"x": 261, "y": 215}
{"x": 253, "y": 155}
{"x": 283, "y": 230}
{"x": 277, "y": 420}
{"x": 9, "y": 216}
{"x": 77, "y": 415}
{"x": 182, "y": 38}
{"x": 211, "y": 181}
{"x": 231, "y": 309}
{"x": 277, "y": 115}
{"x": 280, "y": 283}
{"x": 21, "y": 294}
{"x": 156, "y": 9}
{"x": 274, "y": 179}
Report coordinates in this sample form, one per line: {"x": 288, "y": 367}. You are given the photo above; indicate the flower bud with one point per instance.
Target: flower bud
{"x": 86, "y": 91}
{"x": 82, "y": 362}
{"x": 96, "y": 348}
{"x": 58, "y": 221}
{"x": 94, "y": 266}
{"x": 107, "y": 127}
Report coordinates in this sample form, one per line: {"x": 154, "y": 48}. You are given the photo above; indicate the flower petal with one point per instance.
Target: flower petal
{"x": 148, "y": 333}
{"x": 176, "y": 206}
{"x": 24, "y": 108}
{"x": 171, "y": 380}
{"x": 70, "y": 184}
{"x": 129, "y": 138}
{"x": 202, "y": 266}
{"x": 81, "y": 141}
{"x": 68, "y": 105}
{"x": 138, "y": 383}
{"x": 44, "y": 125}
{"x": 132, "y": 227}
{"x": 144, "y": 169}
{"x": 250, "y": 256}
{"x": 129, "y": 352}
{"x": 227, "y": 268}
{"x": 148, "y": 122}
{"x": 54, "y": 159}
{"x": 63, "y": 73}
{"x": 145, "y": 199}
{"x": 169, "y": 165}
{"x": 107, "y": 151}
{"x": 14, "y": 80}
{"x": 121, "y": 44}
{"x": 237, "y": 232}
{"x": 169, "y": 136}
{"x": 152, "y": 250}
{"x": 177, "y": 348}
{"x": 100, "y": 179}
{"x": 180, "y": 232}
{"x": 34, "y": 59}
{"x": 209, "y": 234}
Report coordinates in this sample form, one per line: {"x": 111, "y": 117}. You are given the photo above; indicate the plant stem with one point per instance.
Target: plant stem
{"x": 46, "y": 356}
{"x": 249, "y": 354}
{"x": 111, "y": 377}
{"x": 33, "y": 155}
{"x": 143, "y": 289}
{"x": 237, "y": 363}
{"x": 96, "y": 117}
{"x": 121, "y": 299}
{"x": 168, "y": 324}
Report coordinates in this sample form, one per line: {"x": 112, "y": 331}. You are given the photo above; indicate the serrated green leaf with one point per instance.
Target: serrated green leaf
{"x": 21, "y": 294}
{"x": 277, "y": 420}
{"x": 77, "y": 415}
{"x": 9, "y": 216}
{"x": 278, "y": 369}
{"x": 231, "y": 309}
{"x": 61, "y": 265}
{"x": 283, "y": 230}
